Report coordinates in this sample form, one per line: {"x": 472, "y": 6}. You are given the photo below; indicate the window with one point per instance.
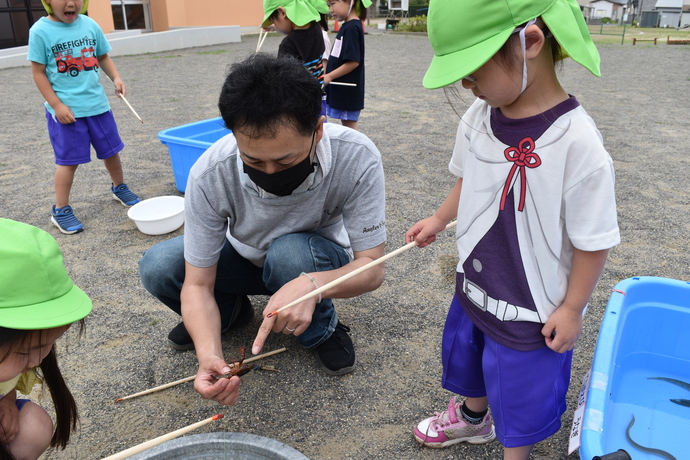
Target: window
{"x": 131, "y": 14}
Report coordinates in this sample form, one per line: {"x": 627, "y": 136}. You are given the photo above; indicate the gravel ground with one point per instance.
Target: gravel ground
{"x": 640, "y": 105}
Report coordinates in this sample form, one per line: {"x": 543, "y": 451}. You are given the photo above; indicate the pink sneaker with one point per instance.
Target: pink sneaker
{"x": 450, "y": 427}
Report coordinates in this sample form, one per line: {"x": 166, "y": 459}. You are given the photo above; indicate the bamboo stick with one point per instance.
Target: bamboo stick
{"x": 353, "y": 273}
{"x": 161, "y": 439}
{"x": 261, "y": 39}
{"x": 192, "y": 377}
{"x": 122, "y": 96}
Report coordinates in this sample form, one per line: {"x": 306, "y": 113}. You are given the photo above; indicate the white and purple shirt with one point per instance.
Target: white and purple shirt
{"x": 533, "y": 189}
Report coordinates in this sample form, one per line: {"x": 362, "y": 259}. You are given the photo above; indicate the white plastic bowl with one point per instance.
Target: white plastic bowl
{"x": 159, "y": 215}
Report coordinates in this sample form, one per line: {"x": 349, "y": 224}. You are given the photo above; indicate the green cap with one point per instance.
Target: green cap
{"x": 35, "y": 290}
{"x": 49, "y": 9}
{"x": 300, "y": 12}
{"x": 465, "y": 34}
{"x": 321, "y": 6}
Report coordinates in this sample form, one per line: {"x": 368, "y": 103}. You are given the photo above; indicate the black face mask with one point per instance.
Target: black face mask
{"x": 282, "y": 183}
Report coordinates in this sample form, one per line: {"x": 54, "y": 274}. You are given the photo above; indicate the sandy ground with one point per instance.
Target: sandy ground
{"x": 640, "y": 105}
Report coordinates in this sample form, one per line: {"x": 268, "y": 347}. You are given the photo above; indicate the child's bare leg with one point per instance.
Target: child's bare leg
{"x": 517, "y": 453}
{"x": 64, "y": 177}
{"x": 114, "y": 167}
{"x": 35, "y": 432}
{"x": 350, "y": 124}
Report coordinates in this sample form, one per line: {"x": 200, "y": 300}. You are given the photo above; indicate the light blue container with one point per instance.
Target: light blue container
{"x": 186, "y": 143}
{"x": 645, "y": 333}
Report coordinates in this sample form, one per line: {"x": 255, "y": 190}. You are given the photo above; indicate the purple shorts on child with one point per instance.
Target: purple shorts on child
{"x": 72, "y": 142}
{"x": 347, "y": 115}
{"x": 526, "y": 389}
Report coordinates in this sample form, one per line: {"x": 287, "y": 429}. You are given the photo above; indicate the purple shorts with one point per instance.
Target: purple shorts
{"x": 526, "y": 389}
{"x": 348, "y": 115}
{"x": 72, "y": 142}
{"x": 20, "y": 403}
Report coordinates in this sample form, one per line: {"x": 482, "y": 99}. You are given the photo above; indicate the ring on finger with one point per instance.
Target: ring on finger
{"x": 291, "y": 330}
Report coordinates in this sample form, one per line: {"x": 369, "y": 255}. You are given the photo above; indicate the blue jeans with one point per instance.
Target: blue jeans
{"x": 162, "y": 274}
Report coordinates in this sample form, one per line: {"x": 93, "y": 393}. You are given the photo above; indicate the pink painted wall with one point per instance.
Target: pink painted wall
{"x": 188, "y": 13}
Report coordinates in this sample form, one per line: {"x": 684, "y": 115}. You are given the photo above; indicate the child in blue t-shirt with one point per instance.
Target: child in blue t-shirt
{"x": 344, "y": 77}
{"x": 67, "y": 51}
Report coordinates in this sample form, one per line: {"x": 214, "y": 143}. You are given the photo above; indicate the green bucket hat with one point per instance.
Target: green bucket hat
{"x": 300, "y": 12}
{"x": 35, "y": 290}
{"x": 49, "y": 9}
{"x": 321, "y": 6}
{"x": 465, "y": 34}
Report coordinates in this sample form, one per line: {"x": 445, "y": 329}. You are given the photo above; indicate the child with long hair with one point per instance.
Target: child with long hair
{"x": 536, "y": 214}
{"x": 38, "y": 303}
{"x": 346, "y": 62}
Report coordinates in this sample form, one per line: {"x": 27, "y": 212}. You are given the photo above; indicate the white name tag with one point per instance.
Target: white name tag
{"x": 576, "y": 430}
{"x": 337, "y": 46}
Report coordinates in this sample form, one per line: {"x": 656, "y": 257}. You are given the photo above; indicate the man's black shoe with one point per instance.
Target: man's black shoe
{"x": 336, "y": 355}
{"x": 180, "y": 339}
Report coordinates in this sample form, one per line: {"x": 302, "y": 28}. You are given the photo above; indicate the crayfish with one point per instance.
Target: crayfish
{"x": 236, "y": 367}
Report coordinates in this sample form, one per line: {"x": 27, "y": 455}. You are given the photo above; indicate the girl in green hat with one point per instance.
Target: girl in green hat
{"x": 38, "y": 303}
{"x": 536, "y": 211}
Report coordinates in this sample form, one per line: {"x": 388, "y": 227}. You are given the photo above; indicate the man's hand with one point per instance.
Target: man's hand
{"x": 295, "y": 320}
{"x": 9, "y": 418}
{"x": 224, "y": 390}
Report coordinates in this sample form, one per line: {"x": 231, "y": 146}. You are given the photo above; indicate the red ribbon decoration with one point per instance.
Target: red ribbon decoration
{"x": 522, "y": 157}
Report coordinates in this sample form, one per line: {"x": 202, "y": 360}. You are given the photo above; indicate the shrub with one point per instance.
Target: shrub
{"x": 414, "y": 24}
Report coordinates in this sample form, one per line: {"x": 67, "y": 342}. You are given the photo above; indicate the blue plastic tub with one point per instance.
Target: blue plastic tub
{"x": 645, "y": 334}
{"x": 186, "y": 143}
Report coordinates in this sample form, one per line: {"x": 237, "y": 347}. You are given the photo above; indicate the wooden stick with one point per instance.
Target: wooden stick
{"x": 121, "y": 96}
{"x": 192, "y": 377}
{"x": 130, "y": 107}
{"x": 161, "y": 439}
{"x": 261, "y": 40}
{"x": 353, "y": 273}
{"x": 342, "y": 83}
{"x": 258, "y": 43}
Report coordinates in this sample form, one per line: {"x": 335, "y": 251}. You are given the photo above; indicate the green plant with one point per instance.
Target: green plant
{"x": 606, "y": 20}
{"x": 415, "y": 24}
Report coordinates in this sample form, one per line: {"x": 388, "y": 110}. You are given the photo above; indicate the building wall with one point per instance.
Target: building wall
{"x": 166, "y": 14}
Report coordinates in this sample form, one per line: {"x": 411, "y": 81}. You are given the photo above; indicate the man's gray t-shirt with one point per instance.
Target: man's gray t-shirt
{"x": 343, "y": 200}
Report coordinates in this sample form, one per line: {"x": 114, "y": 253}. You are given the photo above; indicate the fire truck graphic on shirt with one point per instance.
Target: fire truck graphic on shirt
{"x": 68, "y": 62}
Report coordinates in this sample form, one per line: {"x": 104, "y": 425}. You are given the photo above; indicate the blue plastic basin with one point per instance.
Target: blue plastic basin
{"x": 645, "y": 333}
{"x": 186, "y": 143}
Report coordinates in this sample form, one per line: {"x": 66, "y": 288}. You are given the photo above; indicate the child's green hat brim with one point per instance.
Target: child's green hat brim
{"x": 466, "y": 34}
{"x": 321, "y": 6}
{"x": 49, "y": 9}
{"x": 35, "y": 290}
{"x": 300, "y": 12}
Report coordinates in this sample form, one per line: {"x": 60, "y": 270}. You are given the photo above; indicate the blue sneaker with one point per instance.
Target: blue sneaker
{"x": 65, "y": 220}
{"x": 124, "y": 195}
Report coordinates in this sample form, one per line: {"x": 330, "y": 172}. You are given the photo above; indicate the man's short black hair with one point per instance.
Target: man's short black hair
{"x": 264, "y": 92}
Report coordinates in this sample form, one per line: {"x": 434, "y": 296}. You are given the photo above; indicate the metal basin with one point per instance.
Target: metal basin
{"x": 225, "y": 445}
